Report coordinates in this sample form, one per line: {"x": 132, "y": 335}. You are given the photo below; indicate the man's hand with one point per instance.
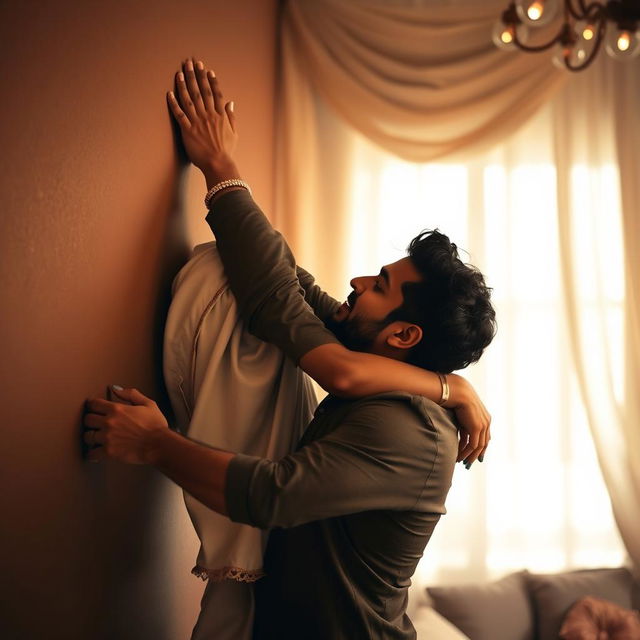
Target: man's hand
{"x": 207, "y": 122}
{"x": 128, "y": 433}
{"x": 473, "y": 418}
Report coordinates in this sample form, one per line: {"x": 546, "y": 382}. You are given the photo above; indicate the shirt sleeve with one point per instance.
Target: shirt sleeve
{"x": 262, "y": 276}
{"x": 381, "y": 457}
{"x": 323, "y": 305}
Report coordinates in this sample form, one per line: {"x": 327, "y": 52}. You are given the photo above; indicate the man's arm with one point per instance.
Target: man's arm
{"x": 200, "y": 470}
{"x": 383, "y": 456}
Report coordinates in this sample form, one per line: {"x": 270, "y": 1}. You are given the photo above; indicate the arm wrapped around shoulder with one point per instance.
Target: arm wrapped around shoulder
{"x": 386, "y": 454}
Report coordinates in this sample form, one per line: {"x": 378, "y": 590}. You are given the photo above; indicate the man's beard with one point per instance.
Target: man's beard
{"x": 357, "y": 334}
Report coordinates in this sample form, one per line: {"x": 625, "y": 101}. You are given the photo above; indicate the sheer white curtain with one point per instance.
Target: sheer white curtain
{"x": 596, "y": 125}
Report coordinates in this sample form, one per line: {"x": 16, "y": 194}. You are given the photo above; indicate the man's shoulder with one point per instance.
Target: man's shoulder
{"x": 400, "y": 405}
{"x": 400, "y": 400}
{"x": 408, "y": 425}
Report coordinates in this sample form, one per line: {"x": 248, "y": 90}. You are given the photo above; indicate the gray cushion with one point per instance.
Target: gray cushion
{"x": 498, "y": 610}
{"x": 553, "y": 594}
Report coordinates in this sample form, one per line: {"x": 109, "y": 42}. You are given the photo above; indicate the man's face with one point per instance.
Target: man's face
{"x": 358, "y": 323}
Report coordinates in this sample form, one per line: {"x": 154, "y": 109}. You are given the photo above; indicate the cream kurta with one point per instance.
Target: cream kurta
{"x": 229, "y": 390}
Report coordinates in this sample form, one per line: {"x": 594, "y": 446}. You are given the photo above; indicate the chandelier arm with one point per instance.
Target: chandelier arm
{"x": 535, "y": 48}
{"x": 575, "y": 13}
{"x": 595, "y": 11}
{"x": 594, "y": 50}
{"x": 583, "y": 6}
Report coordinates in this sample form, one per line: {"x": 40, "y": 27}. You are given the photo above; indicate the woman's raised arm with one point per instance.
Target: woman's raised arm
{"x": 353, "y": 374}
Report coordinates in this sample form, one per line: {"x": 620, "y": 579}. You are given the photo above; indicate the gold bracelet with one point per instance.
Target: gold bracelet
{"x": 444, "y": 396}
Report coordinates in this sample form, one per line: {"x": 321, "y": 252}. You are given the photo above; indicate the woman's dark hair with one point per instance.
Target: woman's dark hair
{"x": 451, "y": 304}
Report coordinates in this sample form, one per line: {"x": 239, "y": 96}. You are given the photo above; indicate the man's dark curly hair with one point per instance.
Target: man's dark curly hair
{"x": 451, "y": 304}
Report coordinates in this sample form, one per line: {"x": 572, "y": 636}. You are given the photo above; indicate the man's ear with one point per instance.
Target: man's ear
{"x": 404, "y": 335}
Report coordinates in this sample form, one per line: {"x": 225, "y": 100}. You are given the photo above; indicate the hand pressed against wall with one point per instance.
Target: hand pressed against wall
{"x": 207, "y": 122}
{"x": 125, "y": 432}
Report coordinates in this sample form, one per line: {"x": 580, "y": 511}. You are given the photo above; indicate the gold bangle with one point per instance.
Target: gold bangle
{"x": 444, "y": 396}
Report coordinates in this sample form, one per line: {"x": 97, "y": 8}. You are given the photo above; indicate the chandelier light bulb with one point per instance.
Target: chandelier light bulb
{"x": 622, "y": 44}
{"x": 504, "y": 35}
{"x": 534, "y": 11}
{"x": 624, "y": 41}
{"x": 588, "y": 32}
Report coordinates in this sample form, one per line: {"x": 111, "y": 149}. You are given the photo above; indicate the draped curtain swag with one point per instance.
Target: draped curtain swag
{"x": 423, "y": 80}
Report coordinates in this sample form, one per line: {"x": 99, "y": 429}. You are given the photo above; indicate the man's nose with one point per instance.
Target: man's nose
{"x": 359, "y": 284}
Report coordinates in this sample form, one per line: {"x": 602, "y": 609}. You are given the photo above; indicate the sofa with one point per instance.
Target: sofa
{"x": 589, "y": 604}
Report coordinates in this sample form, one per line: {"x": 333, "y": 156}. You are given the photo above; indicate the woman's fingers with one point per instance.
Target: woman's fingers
{"x": 205, "y": 87}
{"x": 184, "y": 98}
{"x": 462, "y": 444}
{"x": 178, "y": 113}
{"x": 486, "y": 444}
{"x": 192, "y": 87}
{"x": 218, "y": 99}
{"x": 232, "y": 118}
{"x": 478, "y": 452}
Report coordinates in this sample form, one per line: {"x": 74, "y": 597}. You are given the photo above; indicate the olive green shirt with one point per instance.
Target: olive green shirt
{"x": 353, "y": 508}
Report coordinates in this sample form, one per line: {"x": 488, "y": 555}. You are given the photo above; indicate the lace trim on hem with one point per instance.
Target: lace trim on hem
{"x": 227, "y": 573}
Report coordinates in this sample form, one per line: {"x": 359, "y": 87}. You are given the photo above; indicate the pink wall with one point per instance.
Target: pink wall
{"x": 97, "y": 217}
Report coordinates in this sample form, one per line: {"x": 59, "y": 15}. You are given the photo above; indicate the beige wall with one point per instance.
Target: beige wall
{"x": 97, "y": 215}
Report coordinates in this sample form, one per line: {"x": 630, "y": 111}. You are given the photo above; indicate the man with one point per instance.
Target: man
{"x": 355, "y": 505}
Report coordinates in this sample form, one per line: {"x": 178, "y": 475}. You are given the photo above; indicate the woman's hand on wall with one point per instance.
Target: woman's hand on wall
{"x": 126, "y": 432}
{"x": 206, "y": 121}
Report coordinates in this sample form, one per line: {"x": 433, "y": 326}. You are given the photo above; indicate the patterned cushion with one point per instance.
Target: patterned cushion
{"x": 554, "y": 594}
{"x": 596, "y": 619}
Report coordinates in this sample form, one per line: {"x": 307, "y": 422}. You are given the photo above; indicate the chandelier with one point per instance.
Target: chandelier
{"x": 584, "y": 28}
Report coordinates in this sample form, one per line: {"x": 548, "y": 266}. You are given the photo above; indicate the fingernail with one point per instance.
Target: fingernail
{"x": 199, "y": 65}
{"x": 180, "y": 76}
{"x": 189, "y": 65}
{"x": 480, "y": 458}
{"x": 211, "y": 73}
{"x": 117, "y": 387}
{"x": 231, "y": 104}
